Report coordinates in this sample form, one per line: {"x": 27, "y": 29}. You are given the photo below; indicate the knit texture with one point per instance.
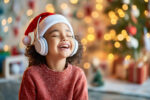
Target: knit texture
{"x": 41, "y": 83}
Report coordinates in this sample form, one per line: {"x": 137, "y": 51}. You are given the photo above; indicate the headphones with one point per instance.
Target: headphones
{"x": 41, "y": 45}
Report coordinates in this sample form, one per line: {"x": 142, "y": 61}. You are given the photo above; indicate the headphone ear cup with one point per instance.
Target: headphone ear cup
{"x": 41, "y": 46}
{"x": 75, "y": 48}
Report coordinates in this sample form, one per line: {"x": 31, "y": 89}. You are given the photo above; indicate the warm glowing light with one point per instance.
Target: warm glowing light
{"x": 86, "y": 65}
{"x": 110, "y": 56}
{"x": 99, "y": 7}
{"x": 128, "y": 57}
{"x": 6, "y": 29}
{"x": 84, "y": 41}
{"x": 4, "y": 22}
{"x": 125, "y": 7}
{"x": 146, "y": 0}
{"x": 84, "y": 48}
{"x": 95, "y": 14}
{"x": 120, "y": 37}
{"x": 146, "y": 13}
{"x": 87, "y": 20}
{"x": 50, "y": 8}
{"x": 64, "y": 6}
{"x": 113, "y": 21}
{"x": 148, "y": 35}
{"x": 6, "y": 48}
{"x": 29, "y": 12}
{"x": 99, "y": 1}
{"x": 91, "y": 29}
{"x": 128, "y": 38}
{"x": 134, "y": 7}
{"x": 124, "y": 33}
{"x": 9, "y": 20}
{"x": 107, "y": 37}
{"x": 80, "y": 14}
{"x": 113, "y": 34}
{"x": 74, "y": 1}
{"x": 90, "y": 37}
{"x": 6, "y": 1}
{"x": 121, "y": 13}
{"x": 117, "y": 44}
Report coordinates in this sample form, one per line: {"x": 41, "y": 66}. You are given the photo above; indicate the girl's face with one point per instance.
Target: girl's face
{"x": 60, "y": 41}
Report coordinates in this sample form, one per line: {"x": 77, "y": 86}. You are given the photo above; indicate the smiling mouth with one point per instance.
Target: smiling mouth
{"x": 64, "y": 46}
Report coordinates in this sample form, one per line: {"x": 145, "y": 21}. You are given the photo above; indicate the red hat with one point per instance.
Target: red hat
{"x": 32, "y": 26}
{"x": 46, "y": 20}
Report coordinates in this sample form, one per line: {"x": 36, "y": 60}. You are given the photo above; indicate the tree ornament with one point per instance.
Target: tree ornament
{"x": 135, "y": 12}
{"x": 131, "y": 30}
{"x": 31, "y": 4}
{"x": 99, "y": 34}
{"x": 16, "y": 31}
{"x": 133, "y": 43}
{"x": 88, "y": 10}
{"x": 126, "y": 1}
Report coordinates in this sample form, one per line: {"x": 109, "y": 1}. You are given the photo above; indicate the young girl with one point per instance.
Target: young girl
{"x": 50, "y": 75}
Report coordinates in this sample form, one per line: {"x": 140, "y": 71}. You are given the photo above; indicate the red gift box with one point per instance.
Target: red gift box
{"x": 138, "y": 72}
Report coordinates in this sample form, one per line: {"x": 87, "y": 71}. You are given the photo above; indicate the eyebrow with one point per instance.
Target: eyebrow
{"x": 55, "y": 30}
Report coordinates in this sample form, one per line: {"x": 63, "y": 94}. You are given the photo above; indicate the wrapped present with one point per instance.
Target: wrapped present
{"x": 138, "y": 72}
{"x": 121, "y": 71}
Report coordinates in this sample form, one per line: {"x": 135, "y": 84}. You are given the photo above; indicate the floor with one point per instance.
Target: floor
{"x": 9, "y": 91}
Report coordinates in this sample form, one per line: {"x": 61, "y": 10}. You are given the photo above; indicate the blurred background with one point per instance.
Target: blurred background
{"x": 115, "y": 35}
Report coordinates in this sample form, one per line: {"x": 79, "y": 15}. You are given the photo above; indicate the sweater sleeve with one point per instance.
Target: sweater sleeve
{"x": 81, "y": 90}
{"x": 27, "y": 88}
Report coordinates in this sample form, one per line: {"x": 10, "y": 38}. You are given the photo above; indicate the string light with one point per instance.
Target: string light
{"x": 64, "y": 6}
{"x": 117, "y": 44}
{"x": 128, "y": 57}
{"x": 146, "y": 13}
{"x": 91, "y": 29}
{"x": 95, "y": 14}
{"x": 84, "y": 48}
{"x": 110, "y": 56}
{"x": 125, "y": 7}
{"x": 6, "y": 48}
{"x": 9, "y": 20}
{"x": 128, "y": 38}
{"x": 121, "y": 13}
{"x": 99, "y": 1}
{"x": 120, "y": 37}
{"x": 99, "y": 7}
{"x": 113, "y": 34}
{"x": 86, "y": 65}
{"x": 80, "y": 14}
{"x": 87, "y": 20}
{"x": 148, "y": 35}
{"x": 6, "y": 1}
{"x": 29, "y": 12}
{"x": 84, "y": 41}
{"x": 74, "y": 1}
{"x": 90, "y": 37}
{"x": 50, "y": 8}
{"x": 107, "y": 37}
{"x": 4, "y": 22}
{"x": 6, "y": 29}
{"x": 146, "y": 0}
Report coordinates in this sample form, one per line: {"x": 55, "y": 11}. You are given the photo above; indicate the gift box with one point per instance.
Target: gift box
{"x": 121, "y": 71}
{"x": 138, "y": 72}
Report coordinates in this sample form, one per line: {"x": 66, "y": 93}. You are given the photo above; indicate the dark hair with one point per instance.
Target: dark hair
{"x": 37, "y": 59}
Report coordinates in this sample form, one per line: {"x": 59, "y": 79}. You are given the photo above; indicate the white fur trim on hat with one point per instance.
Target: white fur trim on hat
{"x": 49, "y": 21}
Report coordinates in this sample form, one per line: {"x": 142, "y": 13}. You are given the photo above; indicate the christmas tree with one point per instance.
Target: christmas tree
{"x": 128, "y": 32}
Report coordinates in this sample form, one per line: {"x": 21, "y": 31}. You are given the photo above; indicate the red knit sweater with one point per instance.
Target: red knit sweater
{"x": 41, "y": 83}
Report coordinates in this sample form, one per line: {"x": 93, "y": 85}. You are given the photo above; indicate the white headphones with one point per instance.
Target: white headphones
{"x": 40, "y": 42}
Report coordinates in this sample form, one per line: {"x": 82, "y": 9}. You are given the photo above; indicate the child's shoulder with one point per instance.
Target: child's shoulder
{"x": 32, "y": 69}
{"x": 77, "y": 70}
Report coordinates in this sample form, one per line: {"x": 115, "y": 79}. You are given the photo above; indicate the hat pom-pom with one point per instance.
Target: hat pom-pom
{"x": 26, "y": 40}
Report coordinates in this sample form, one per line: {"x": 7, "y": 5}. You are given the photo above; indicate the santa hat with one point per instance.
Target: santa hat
{"x": 46, "y": 20}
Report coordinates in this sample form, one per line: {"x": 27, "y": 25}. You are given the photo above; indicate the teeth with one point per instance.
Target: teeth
{"x": 66, "y": 46}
